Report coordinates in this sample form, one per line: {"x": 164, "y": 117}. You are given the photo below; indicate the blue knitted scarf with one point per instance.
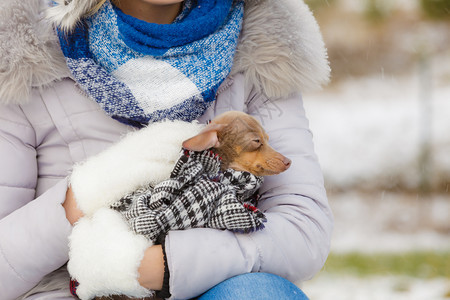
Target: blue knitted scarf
{"x": 141, "y": 72}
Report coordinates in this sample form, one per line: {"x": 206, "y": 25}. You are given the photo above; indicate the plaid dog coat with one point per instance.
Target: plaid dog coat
{"x": 196, "y": 195}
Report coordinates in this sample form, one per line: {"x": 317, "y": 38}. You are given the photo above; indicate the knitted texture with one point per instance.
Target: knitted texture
{"x": 142, "y": 72}
{"x": 196, "y": 195}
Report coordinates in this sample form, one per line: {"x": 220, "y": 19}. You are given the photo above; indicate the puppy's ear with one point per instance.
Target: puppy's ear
{"x": 206, "y": 139}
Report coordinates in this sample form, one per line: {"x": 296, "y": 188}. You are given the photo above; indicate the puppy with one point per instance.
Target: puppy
{"x": 242, "y": 143}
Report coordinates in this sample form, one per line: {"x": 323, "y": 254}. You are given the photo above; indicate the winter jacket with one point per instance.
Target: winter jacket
{"x": 47, "y": 125}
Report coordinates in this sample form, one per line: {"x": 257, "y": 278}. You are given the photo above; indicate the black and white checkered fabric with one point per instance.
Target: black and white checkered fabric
{"x": 196, "y": 195}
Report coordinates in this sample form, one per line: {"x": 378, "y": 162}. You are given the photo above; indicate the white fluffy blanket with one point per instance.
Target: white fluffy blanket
{"x": 104, "y": 253}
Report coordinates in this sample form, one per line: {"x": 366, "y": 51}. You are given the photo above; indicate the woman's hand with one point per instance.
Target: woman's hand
{"x": 151, "y": 270}
{"x": 73, "y": 213}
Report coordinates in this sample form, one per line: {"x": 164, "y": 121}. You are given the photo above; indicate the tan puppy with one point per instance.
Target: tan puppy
{"x": 242, "y": 143}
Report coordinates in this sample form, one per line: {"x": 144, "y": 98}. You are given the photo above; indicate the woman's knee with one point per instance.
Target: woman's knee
{"x": 255, "y": 286}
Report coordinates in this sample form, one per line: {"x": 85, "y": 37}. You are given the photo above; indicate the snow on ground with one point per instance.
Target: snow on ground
{"x": 327, "y": 287}
{"x": 386, "y": 222}
{"x": 390, "y": 222}
{"x": 368, "y": 131}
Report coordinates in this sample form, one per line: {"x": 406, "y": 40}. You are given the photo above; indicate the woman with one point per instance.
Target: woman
{"x": 72, "y": 84}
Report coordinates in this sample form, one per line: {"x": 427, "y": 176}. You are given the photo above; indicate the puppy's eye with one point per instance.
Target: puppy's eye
{"x": 257, "y": 144}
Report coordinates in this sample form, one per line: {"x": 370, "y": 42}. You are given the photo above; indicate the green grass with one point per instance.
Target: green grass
{"x": 438, "y": 9}
{"x": 413, "y": 264}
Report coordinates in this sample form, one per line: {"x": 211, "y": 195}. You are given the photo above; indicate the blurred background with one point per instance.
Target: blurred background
{"x": 382, "y": 133}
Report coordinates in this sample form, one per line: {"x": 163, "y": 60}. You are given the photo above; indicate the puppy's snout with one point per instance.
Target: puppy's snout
{"x": 287, "y": 162}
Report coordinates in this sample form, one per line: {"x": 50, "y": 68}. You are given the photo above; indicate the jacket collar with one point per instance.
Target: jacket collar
{"x": 281, "y": 49}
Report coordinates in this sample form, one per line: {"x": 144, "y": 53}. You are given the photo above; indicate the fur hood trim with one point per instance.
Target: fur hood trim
{"x": 29, "y": 50}
{"x": 281, "y": 49}
{"x": 67, "y": 13}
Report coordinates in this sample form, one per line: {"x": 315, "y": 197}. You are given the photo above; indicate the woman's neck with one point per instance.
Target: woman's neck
{"x": 152, "y": 13}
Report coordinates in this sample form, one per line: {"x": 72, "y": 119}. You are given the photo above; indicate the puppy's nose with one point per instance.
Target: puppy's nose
{"x": 287, "y": 162}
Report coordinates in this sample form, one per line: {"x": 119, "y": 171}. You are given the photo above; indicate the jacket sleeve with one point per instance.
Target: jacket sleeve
{"x": 33, "y": 231}
{"x": 296, "y": 239}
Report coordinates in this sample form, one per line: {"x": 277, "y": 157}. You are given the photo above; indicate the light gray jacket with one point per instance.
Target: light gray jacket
{"x": 47, "y": 125}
